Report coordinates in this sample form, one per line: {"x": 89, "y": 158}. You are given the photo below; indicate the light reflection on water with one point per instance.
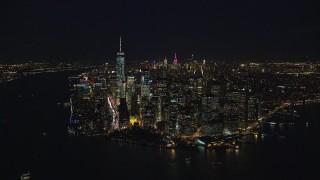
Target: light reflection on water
{"x": 173, "y": 153}
{"x": 256, "y": 137}
{"x": 201, "y": 149}
{"x": 237, "y": 152}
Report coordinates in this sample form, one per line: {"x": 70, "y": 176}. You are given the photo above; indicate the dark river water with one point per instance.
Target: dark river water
{"x": 33, "y": 137}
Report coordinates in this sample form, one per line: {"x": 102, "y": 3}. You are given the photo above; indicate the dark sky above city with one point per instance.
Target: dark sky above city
{"x": 210, "y": 29}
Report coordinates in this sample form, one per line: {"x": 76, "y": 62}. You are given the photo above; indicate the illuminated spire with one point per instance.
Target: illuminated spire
{"x": 175, "y": 60}
{"x": 120, "y": 43}
{"x": 165, "y": 61}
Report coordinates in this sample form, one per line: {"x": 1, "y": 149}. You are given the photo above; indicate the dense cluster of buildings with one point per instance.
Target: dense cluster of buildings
{"x": 193, "y": 98}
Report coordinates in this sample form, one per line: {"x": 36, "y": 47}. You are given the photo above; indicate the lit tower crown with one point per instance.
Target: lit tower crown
{"x": 175, "y": 60}
{"x": 165, "y": 62}
{"x": 120, "y": 65}
{"x": 120, "y": 43}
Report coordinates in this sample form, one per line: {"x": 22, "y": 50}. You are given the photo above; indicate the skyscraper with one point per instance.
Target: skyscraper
{"x": 121, "y": 76}
{"x": 145, "y": 82}
{"x": 240, "y": 97}
{"x": 121, "y": 95}
{"x": 165, "y": 62}
{"x": 129, "y": 91}
{"x": 175, "y": 60}
{"x": 211, "y": 121}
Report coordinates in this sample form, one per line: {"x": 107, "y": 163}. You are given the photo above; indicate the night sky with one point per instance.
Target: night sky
{"x": 210, "y": 29}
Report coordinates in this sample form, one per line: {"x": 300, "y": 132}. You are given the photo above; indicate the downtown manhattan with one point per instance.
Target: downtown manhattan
{"x": 159, "y": 90}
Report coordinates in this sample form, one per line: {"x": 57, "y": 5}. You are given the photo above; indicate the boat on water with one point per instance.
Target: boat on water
{"x": 71, "y": 131}
{"x": 25, "y": 176}
{"x": 216, "y": 163}
{"x": 220, "y": 147}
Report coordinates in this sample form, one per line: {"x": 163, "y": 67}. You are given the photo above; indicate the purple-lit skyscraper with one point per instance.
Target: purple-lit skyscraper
{"x": 175, "y": 60}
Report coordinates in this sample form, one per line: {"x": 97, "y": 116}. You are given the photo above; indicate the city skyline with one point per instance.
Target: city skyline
{"x": 186, "y": 99}
{"x": 207, "y": 29}
{"x": 159, "y": 90}
{"x": 184, "y": 110}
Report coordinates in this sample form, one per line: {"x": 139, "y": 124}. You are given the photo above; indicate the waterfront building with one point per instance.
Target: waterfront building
{"x": 171, "y": 117}
{"x": 124, "y": 117}
{"x": 253, "y": 108}
{"x": 240, "y": 97}
{"x": 211, "y": 120}
{"x": 187, "y": 122}
{"x": 230, "y": 117}
{"x": 149, "y": 114}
